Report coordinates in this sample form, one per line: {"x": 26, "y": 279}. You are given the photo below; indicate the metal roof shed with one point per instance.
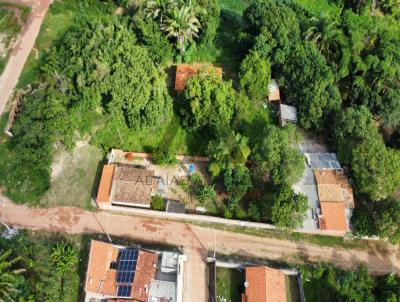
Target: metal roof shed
{"x": 287, "y": 114}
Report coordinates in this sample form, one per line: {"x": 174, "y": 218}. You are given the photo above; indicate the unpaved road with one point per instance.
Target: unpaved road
{"x": 21, "y": 51}
{"x": 196, "y": 241}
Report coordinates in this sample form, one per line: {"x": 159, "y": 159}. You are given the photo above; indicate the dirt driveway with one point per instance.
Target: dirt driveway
{"x": 20, "y": 52}
{"x": 196, "y": 241}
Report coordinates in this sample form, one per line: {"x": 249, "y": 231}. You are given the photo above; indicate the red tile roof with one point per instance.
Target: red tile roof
{"x": 103, "y": 194}
{"x": 333, "y": 216}
{"x": 184, "y": 72}
{"x": 145, "y": 272}
{"x": 264, "y": 284}
{"x": 334, "y": 186}
{"x": 101, "y": 279}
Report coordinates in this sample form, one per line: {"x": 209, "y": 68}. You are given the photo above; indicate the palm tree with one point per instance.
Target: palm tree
{"x": 324, "y": 32}
{"x": 64, "y": 258}
{"x": 182, "y": 25}
{"x": 206, "y": 193}
{"x": 157, "y": 9}
{"x": 8, "y": 276}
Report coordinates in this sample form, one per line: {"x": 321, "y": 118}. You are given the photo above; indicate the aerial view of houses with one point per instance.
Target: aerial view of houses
{"x": 199, "y": 150}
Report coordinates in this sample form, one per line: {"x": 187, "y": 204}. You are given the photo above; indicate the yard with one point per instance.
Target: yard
{"x": 12, "y": 19}
{"x": 230, "y": 283}
{"x": 74, "y": 176}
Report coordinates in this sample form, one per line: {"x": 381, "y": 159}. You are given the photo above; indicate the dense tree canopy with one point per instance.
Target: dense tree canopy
{"x": 309, "y": 85}
{"x": 108, "y": 69}
{"x": 289, "y": 208}
{"x": 277, "y": 152}
{"x": 227, "y": 151}
{"x": 208, "y": 101}
{"x": 375, "y": 167}
{"x": 374, "y": 78}
{"x": 255, "y": 75}
{"x": 278, "y": 26}
{"x": 237, "y": 181}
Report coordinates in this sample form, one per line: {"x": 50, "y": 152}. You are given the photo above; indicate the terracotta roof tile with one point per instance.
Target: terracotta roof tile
{"x": 334, "y": 216}
{"x": 265, "y": 284}
{"x": 101, "y": 278}
{"x": 184, "y": 72}
{"x": 145, "y": 272}
{"x": 133, "y": 186}
{"x": 101, "y": 255}
{"x": 103, "y": 194}
{"x": 334, "y": 186}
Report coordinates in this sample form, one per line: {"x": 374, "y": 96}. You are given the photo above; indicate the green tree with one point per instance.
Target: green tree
{"x": 208, "y": 101}
{"x": 9, "y": 276}
{"x": 374, "y": 167}
{"x": 206, "y": 193}
{"x": 255, "y": 75}
{"x": 277, "y": 153}
{"x": 387, "y": 217}
{"x": 276, "y": 27}
{"x": 308, "y": 84}
{"x": 158, "y": 9}
{"x": 237, "y": 181}
{"x": 182, "y": 25}
{"x": 374, "y": 67}
{"x": 358, "y": 6}
{"x": 288, "y": 209}
{"x": 324, "y": 32}
{"x": 227, "y": 150}
{"x": 64, "y": 257}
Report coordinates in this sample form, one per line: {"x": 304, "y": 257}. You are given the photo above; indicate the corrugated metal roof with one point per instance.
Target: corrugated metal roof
{"x": 320, "y": 161}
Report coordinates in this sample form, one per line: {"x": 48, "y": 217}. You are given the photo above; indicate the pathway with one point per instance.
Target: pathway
{"x": 196, "y": 241}
{"x": 21, "y": 51}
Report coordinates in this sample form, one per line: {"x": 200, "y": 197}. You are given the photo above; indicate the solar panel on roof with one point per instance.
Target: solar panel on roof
{"x": 124, "y": 291}
{"x": 126, "y": 267}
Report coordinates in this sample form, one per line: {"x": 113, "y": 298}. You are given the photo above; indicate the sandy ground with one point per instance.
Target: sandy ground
{"x": 196, "y": 241}
{"x": 21, "y": 50}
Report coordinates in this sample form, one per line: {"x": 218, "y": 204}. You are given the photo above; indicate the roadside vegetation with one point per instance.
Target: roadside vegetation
{"x": 12, "y": 18}
{"x": 105, "y": 74}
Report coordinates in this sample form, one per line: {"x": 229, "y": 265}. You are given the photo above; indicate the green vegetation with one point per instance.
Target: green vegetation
{"x": 157, "y": 203}
{"x": 230, "y": 283}
{"x": 355, "y": 285}
{"x": 46, "y": 267}
{"x": 105, "y": 76}
{"x": 12, "y": 19}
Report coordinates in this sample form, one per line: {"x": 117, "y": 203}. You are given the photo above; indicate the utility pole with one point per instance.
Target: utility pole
{"x": 2, "y": 213}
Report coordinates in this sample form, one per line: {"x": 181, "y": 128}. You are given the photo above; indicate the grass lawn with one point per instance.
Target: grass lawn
{"x": 229, "y": 284}
{"x": 74, "y": 176}
{"x": 171, "y": 135}
{"x": 12, "y": 18}
{"x": 315, "y": 7}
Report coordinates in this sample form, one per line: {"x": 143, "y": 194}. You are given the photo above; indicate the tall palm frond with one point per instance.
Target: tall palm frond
{"x": 64, "y": 258}
{"x": 9, "y": 276}
{"x": 182, "y": 25}
{"x": 158, "y": 9}
{"x": 324, "y": 32}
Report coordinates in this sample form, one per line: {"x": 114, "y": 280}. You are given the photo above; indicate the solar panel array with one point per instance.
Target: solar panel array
{"x": 124, "y": 290}
{"x": 126, "y": 267}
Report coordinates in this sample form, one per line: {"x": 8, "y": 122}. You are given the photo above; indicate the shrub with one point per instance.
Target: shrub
{"x": 163, "y": 157}
{"x": 157, "y": 203}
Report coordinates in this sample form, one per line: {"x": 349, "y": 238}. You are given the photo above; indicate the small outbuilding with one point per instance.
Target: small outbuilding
{"x": 274, "y": 94}
{"x": 287, "y": 114}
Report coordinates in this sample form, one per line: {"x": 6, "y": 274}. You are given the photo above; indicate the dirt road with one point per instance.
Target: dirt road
{"x": 196, "y": 241}
{"x": 20, "y": 52}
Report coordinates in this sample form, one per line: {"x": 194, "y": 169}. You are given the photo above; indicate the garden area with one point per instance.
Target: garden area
{"x": 103, "y": 72}
{"x": 230, "y": 284}
{"x": 12, "y": 19}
